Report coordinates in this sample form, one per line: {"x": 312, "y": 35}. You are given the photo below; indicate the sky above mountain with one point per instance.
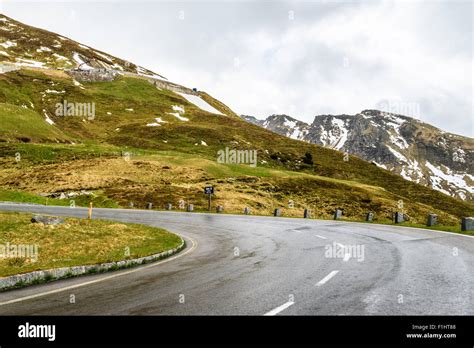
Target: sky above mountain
{"x": 301, "y": 58}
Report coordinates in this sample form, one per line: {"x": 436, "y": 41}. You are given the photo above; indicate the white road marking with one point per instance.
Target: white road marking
{"x": 194, "y": 246}
{"x": 347, "y": 256}
{"x": 326, "y": 278}
{"x": 317, "y": 235}
{"x": 280, "y": 308}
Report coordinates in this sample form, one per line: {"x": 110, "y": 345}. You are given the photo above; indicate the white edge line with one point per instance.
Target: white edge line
{"x": 326, "y": 278}
{"x": 280, "y": 308}
{"x": 317, "y": 235}
{"x": 194, "y": 245}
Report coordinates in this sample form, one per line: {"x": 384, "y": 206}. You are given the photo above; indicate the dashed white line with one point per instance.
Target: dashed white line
{"x": 326, "y": 278}
{"x": 280, "y": 308}
{"x": 317, "y": 235}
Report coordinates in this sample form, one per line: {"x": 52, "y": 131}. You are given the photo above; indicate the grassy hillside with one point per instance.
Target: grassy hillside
{"x": 122, "y": 160}
{"x": 23, "y": 124}
{"x": 34, "y": 47}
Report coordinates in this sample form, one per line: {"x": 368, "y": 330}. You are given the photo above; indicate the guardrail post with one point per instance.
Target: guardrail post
{"x": 398, "y": 217}
{"x": 432, "y": 220}
{"x": 467, "y": 224}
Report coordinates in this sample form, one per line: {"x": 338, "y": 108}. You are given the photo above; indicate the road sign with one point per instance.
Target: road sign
{"x": 209, "y": 190}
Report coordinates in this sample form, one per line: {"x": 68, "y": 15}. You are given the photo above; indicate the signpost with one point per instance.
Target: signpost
{"x": 209, "y": 190}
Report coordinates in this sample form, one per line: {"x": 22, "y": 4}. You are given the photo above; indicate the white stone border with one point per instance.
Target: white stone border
{"x": 35, "y": 277}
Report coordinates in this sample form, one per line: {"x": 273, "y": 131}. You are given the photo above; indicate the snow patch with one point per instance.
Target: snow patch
{"x": 178, "y": 116}
{"x": 104, "y": 56}
{"x": 80, "y": 62}
{"x": 450, "y": 179}
{"x": 398, "y": 155}
{"x": 459, "y": 156}
{"x": 178, "y": 108}
{"x": 43, "y": 49}
{"x": 60, "y": 57}
{"x": 157, "y": 123}
{"x": 200, "y": 103}
{"x": 29, "y": 62}
{"x": 8, "y": 44}
{"x": 47, "y": 119}
{"x": 52, "y": 91}
{"x": 336, "y": 136}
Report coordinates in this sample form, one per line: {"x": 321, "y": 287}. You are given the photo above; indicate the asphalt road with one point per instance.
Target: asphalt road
{"x": 247, "y": 265}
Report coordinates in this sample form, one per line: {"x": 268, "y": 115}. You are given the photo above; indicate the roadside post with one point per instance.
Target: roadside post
{"x": 307, "y": 214}
{"x": 209, "y": 190}
{"x": 89, "y": 213}
{"x": 369, "y": 217}
{"x": 432, "y": 220}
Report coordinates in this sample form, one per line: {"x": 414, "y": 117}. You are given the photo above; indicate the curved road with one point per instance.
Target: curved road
{"x": 244, "y": 265}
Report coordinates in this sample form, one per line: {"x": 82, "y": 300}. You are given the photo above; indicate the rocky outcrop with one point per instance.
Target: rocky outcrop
{"x": 413, "y": 149}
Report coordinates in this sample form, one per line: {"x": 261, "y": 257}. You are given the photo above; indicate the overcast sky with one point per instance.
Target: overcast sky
{"x": 300, "y": 58}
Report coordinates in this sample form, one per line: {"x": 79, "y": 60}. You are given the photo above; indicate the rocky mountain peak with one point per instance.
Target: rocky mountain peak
{"x": 404, "y": 145}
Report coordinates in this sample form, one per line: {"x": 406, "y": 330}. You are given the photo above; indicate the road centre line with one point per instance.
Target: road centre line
{"x": 280, "y": 308}
{"x": 326, "y": 278}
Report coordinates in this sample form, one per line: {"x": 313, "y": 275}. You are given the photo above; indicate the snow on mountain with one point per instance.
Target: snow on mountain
{"x": 415, "y": 150}
{"x": 23, "y": 45}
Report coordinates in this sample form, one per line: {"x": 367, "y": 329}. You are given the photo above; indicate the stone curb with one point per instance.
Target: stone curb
{"x": 35, "y": 277}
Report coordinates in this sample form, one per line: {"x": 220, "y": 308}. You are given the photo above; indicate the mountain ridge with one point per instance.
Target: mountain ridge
{"x": 154, "y": 141}
{"x": 404, "y": 145}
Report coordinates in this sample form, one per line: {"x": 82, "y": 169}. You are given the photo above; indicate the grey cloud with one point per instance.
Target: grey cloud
{"x": 418, "y": 52}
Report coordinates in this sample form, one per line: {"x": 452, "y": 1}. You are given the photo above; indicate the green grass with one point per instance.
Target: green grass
{"x": 78, "y": 242}
{"x": 443, "y": 228}
{"x": 21, "y": 124}
{"x": 98, "y": 201}
{"x": 330, "y": 182}
{"x": 17, "y": 196}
